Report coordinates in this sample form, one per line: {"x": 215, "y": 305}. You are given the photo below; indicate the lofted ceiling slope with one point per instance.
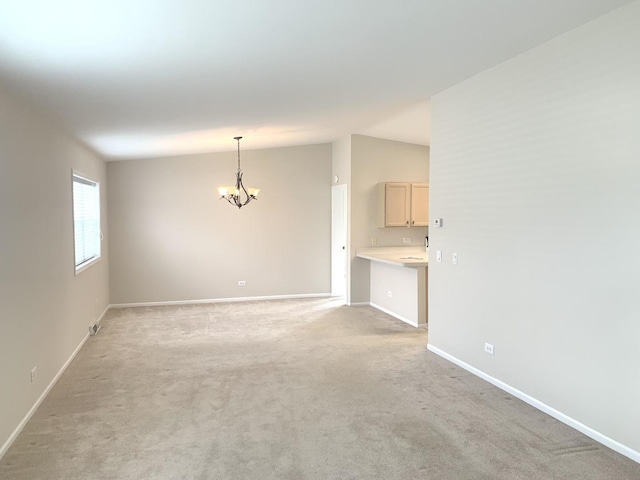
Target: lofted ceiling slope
{"x": 152, "y": 78}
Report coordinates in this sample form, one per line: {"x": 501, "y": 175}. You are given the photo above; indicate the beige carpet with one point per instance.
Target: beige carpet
{"x": 292, "y": 389}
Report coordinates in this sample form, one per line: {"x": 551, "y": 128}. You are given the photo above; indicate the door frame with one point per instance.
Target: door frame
{"x": 339, "y": 241}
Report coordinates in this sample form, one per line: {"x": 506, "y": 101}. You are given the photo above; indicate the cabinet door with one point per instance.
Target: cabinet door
{"x": 397, "y": 204}
{"x": 419, "y": 204}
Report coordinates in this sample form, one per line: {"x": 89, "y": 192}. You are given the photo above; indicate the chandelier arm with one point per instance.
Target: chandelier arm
{"x": 244, "y": 189}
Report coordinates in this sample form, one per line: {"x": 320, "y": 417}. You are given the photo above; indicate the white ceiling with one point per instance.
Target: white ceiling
{"x": 143, "y": 78}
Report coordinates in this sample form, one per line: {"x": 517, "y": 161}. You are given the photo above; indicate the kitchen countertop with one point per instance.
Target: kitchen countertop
{"x": 399, "y": 256}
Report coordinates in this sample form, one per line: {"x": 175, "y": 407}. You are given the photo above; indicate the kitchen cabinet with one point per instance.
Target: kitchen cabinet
{"x": 402, "y": 204}
{"x": 419, "y": 205}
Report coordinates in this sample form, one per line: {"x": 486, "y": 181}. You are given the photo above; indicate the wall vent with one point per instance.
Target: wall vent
{"x": 94, "y": 329}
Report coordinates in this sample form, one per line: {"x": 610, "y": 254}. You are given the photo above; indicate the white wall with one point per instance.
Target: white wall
{"x": 375, "y": 160}
{"x": 172, "y": 239}
{"x": 534, "y": 169}
{"x": 404, "y": 284}
{"x": 45, "y": 310}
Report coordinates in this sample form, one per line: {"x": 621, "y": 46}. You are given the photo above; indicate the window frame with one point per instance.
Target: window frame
{"x": 87, "y": 180}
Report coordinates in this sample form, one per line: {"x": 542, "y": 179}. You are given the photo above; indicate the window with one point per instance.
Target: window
{"x": 86, "y": 221}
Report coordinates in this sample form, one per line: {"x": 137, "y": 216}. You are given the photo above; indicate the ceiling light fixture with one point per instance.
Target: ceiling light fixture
{"x": 238, "y": 195}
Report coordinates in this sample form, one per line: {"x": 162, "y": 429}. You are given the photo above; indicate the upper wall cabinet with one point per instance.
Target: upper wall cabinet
{"x": 419, "y": 204}
{"x": 403, "y": 205}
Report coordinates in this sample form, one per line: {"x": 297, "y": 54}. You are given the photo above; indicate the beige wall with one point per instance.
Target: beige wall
{"x": 403, "y": 283}
{"x": 172, "y": 239}
{"x": 374, "y": 160}
{"x": 45, "y": 310}
{"x": 534, "y": 170}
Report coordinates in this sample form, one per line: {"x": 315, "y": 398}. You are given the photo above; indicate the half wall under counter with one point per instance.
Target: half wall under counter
{"x": 398, "y": 284}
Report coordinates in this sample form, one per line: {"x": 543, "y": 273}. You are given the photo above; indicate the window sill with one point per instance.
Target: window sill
{"x": 83, "y": 266}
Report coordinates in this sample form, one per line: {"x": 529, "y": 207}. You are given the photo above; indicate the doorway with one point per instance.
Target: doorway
{"x": 339, "y": 241}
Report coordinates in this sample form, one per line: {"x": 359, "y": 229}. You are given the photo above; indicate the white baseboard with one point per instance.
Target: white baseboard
{"x": 573, "y": 423}
{"x": 395, "y": 315}
{"x": 358, "y": 304}
{"x": 219, "y": 300}
{"x": 46, "y": 391}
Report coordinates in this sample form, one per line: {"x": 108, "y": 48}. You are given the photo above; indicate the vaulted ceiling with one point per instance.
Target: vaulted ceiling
{"x": 159, "y": 77}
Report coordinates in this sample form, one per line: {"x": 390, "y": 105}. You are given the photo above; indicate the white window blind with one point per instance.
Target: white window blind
{"x": 86, "y": 221}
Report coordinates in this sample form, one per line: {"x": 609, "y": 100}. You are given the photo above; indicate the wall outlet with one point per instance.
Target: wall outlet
{"x": 389, "y": 294}
{"x": 438, "y": 256}
{"x": 454, "y": 260}
{"x": 374, "y": 241}
{"x": 242, "y": 283}
{"x": 406, "y": 239}
{"x": 34, "y": 370}
{"x": 489, "y": 348}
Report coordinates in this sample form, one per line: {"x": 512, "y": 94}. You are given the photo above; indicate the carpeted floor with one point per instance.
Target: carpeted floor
{"x": 290, "y": 389}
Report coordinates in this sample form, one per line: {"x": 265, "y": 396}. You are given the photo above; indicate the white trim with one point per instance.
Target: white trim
{"x": 41, "y": 398}
{"x": 359, "y": 304}
{"x": 89, "y": 263}
{"x": 218, "y": 300}
{"x": 99, "y": 319}
{"x": 395, "y": 315}
{"x": 573, "y": 423}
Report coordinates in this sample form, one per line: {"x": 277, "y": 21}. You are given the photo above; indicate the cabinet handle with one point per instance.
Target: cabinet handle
{"x": 413, "y": 222}
{"x": 407, "y": 222}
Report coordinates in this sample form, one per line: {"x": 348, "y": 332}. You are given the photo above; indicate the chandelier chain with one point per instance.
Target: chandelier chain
{"x": 238, "y": 140}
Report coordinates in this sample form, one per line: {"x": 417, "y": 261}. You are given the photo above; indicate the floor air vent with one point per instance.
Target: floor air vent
{"x": 94, "y": 329}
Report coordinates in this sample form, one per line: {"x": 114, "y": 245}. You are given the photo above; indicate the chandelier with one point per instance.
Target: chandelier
{"x": 238, "y": 195}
